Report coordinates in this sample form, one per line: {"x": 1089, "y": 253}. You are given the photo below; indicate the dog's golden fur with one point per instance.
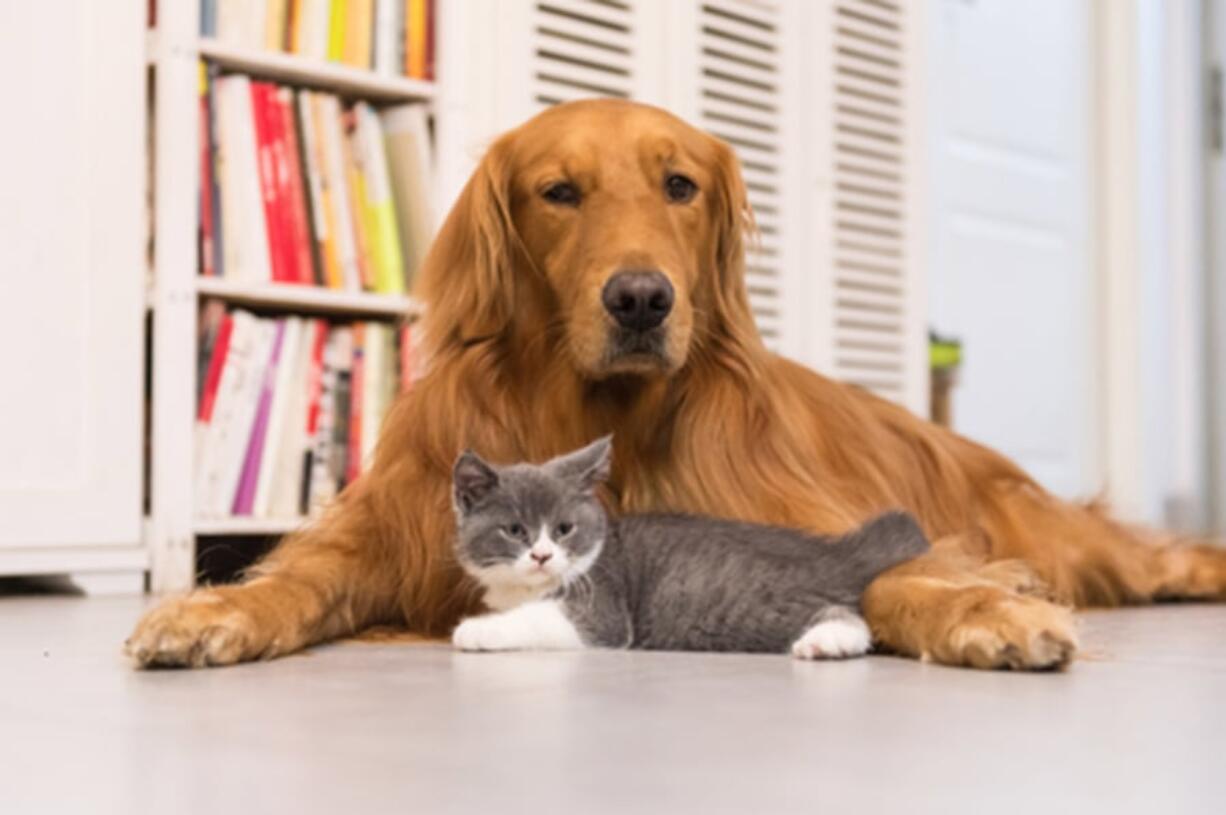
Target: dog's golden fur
{"x": 520, "y": 368}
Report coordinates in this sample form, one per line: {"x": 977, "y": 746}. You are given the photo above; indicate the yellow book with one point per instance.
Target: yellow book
{"x": 415, "y": 39}
{"x": 294, "y": 46}
{"x": 382, "y": 232}
{"x": 336, "y": 30}
{"x": 274, "y": 25}
{"x": 358, "y": 32}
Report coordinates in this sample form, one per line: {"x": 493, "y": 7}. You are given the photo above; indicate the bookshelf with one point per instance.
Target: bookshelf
{"x": 174, "y": 50}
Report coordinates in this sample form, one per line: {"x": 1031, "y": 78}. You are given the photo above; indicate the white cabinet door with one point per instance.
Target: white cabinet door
{"x": 1012, "y": 269}
{"x": 71, "y": 275}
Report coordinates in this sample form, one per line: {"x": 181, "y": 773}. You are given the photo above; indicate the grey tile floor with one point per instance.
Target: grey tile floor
{"x": 1138, "y": 725}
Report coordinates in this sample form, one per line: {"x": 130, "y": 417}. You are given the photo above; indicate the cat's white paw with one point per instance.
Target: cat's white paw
{"x": 837, "y": 638}
{"x": 484, "y": 634}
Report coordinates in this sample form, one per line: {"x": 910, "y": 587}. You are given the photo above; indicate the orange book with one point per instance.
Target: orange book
{"x": 416, "y": 22}
{"x": 324, "y": 188}
{"x": 359, "y": 30}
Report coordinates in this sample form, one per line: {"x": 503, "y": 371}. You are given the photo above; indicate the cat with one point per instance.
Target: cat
{"x": 559, "y": 573}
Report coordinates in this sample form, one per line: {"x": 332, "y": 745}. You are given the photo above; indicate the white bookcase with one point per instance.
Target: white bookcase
{"x": 173, "y": 51}
{"x": 823, "y": 100}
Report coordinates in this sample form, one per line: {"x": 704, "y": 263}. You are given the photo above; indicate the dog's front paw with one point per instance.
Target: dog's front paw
{"x": 484, "y": 634}
{"x": 198, "y": 629}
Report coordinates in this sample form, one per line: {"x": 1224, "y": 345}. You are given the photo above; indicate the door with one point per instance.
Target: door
{"x": 1011, "y": 255}
{"x": 72, "y": 261}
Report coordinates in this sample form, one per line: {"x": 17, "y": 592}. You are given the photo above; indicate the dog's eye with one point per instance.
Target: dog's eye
{"x": 563, "y": 193}
{"x": 679, "y": 188}
{"x": 563, "y": 529}
{"x": 515, "y": 530}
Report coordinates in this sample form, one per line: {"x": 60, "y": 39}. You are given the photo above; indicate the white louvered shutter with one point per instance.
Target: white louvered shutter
{"x": 581, "y": 49}
{"x": 818, "y": 99}
{"x": 878, "y": 337}
{"x": 739, "y": 99}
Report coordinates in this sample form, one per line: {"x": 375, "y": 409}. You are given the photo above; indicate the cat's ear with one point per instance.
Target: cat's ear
{"x": 586, "y": 467}
{"x": 473, "y": 480}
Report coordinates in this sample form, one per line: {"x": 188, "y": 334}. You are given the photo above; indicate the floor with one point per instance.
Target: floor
{"x": 1138, "y": 725}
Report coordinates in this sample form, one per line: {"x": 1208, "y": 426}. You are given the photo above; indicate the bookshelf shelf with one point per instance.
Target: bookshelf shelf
{"x": 309, "y": 298}
{"x": 242, "y": 525}
{"x": 342, "y": 79}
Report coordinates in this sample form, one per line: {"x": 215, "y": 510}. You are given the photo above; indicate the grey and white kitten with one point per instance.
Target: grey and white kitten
{"x": 560, "y": 574}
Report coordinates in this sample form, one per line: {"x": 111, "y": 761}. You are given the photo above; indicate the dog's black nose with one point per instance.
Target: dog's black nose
{"x": 638, "y": 300}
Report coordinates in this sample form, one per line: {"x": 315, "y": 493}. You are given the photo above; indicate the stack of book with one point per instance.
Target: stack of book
{"x": 289, "y": 408}
{"x": 391, "y": 37}
{"x": 297, "y": 187}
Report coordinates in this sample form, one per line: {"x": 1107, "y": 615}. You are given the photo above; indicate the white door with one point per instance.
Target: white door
{"x": 71, "y": 277}
{"x": 1011, "y": 263}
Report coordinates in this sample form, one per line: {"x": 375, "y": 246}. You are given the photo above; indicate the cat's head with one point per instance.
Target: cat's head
{"x": 534, "y": 526}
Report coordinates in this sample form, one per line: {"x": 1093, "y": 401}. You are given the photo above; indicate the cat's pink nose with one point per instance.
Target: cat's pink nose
{"x": 541, "y": 557}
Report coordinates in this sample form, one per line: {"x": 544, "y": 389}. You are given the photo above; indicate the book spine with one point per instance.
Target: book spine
{"x": 430, "y": 37}
{"x": 315, "y": 400}
{"x": 381, "y": 209}
{"x": 244, "y": 496}
{"x": 355, "y": 188}
{"x": 207, "y": 389}
{"x": 218, "y": 247}
{"x": 353, "y": 467}
{"x": 284, "y": 390}
{"x": 322, "y": 258}
{"x": 336, "y": 30}
{"x": 279, "y": 134}
{"x": 386, "y": 31}
{"x": 260, "y": 110}
{"x": 295, "y": 197}
{"x": 415, "y": 34}
{"x": 254, "y": 256}
{"x": 207, "y": 247}
{"x": 342, "y": 226}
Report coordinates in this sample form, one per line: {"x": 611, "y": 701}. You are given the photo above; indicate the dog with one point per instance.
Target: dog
{"x": 590, "y": 280}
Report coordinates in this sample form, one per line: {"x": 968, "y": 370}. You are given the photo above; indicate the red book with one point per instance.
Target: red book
{"x": 353, "y": 467}
{"x": 295, "y": 190}
{"x": 261, "y": 106}
{"x": 280, "y": 165}
{"x": 208, "y": 250}
{"x": 314, "y": 383}
{"x": 221, "y": 346}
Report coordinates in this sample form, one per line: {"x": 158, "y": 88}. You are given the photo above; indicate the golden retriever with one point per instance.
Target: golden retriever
{"x": 590, "y": 280}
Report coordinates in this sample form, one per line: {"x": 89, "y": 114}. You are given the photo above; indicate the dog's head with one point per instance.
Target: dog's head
{"x": 611, "y": 228}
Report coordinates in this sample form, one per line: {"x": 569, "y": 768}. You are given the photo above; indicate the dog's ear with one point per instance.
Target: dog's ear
{"x": 466, "y": 282}
{"x": 733, "y": 223}
{"x": 587, "y": 467}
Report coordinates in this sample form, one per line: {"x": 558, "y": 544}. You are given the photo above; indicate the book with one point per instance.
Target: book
{"x": 315, "y": 401}
{"x": 416, "y": 21}
{"x": 276, "y": 18}
{"x": 261, "y": 115}
{"x": 327, "y": 269}
{"x": 244, "y": 491}
{"x": 208, "y": 230}
{"x": 244, "y": 225}
{"x": 298, "y": 217}
{"x": 387, "y": 32}
{"x": 355, "y": 189}
{"x": 336, "y": 30}
{"x": 359, "y": 23}
{"x": 332, "y": 141}
{"x": 285, "y": 398}
{"x": 357, "y": 373}
{"x": 380, "y": 206}
{"x": 406, "y": 138}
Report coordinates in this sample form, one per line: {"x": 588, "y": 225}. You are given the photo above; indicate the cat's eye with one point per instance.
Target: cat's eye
{"x": 563, "y": 529}
{"x": 515, "y": 530}
{"x": 680, "y": 189}
{"x": 563, "y": 193}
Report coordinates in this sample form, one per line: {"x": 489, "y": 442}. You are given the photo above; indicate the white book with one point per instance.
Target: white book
{"x": 334, "y": 165}
{"x": 386, "y": 35}
{"x": 284, "y": 398}
{"x": 316, "y": 18}
{"x": 234, "y": 377}
{"x": 231, "y": 21}
{"x": 307, "y": 111}
{"x": 374, "y": 363}
{"x": 287, "y": 477}
{"x": 243, "y": 223}
{"x": 338, "y": 353}
{"x": 232, "y": 444}
{"x": 406, "y": 138}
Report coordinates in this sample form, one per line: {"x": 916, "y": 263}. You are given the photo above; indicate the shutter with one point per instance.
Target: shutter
{"x": 581, "y": 49}
{"x": 878, "y": 335}
{"x": 739, "y": 100}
